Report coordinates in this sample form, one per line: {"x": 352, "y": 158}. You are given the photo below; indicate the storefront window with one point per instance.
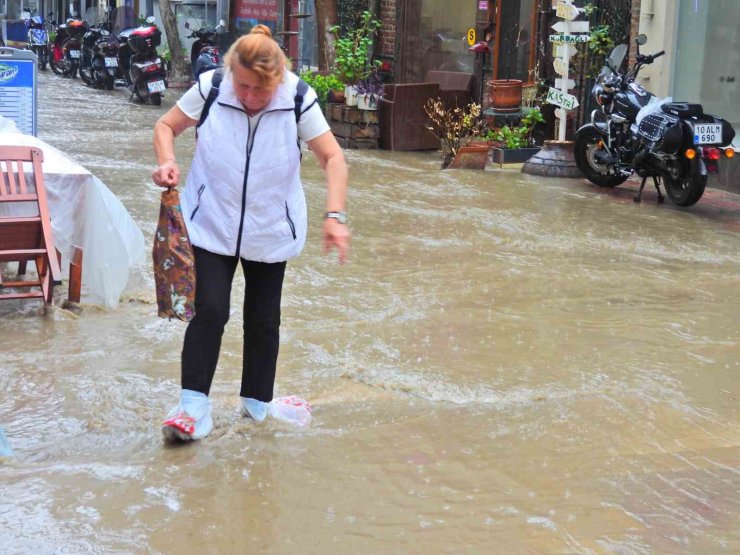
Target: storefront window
{"x": 707, "y": 66}
{"x": 515, "y": 40}
{"x": 434, "y": 36}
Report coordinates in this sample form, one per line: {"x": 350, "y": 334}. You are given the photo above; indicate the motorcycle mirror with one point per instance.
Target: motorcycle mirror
{"x": 187, "y": 25}
{"x": 150, "y": 19}
{"x": 641, "y": 39}
{"x": 221, "y": 23}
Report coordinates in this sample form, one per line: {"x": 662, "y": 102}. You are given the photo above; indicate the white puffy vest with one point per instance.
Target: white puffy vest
{"x": 242, "y": 201}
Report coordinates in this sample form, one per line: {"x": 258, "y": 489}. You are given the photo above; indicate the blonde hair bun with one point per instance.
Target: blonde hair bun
{"x": 261, "y": 30}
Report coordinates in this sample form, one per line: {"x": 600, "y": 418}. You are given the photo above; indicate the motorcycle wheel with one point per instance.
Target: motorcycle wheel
{"x": 596, "y": 171}
{"x": 56, "y": 67}
{"x": 87, "y": 75}
{"x": 43, "y": 55}
{"x": 687, "y": 189}
{"x": 73, "y": 70}
{"x": 109, "y": 82}
{"x": 156, "y": 99}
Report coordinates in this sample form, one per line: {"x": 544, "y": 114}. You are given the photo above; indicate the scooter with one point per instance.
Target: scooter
{"x": 38, "y": 38}
{"x": 99, "y": 66}
{"x": 66, "y": 52}
{"x": 633, "y": 131}
{"x": 204, "y": 54}
{"x": 143, "y": 69}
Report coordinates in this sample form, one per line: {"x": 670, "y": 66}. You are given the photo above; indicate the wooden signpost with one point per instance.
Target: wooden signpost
{"x": 564, "y": 50}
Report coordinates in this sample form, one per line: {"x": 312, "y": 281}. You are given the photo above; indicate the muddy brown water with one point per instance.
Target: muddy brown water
{"x": 508, "y": 364}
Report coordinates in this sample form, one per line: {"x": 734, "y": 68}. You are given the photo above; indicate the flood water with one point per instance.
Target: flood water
{"x": 508, "y": 364}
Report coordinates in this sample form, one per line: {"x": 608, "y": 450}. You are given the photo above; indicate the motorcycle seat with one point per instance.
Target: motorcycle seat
{"x": 683, "y": 109}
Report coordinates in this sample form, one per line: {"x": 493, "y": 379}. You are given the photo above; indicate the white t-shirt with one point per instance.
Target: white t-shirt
{"x": 311, "y": 124}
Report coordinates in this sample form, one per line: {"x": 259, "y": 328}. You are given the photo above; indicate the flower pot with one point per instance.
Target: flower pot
{"x": 470, "y": 157}
{"x": 506, "y": 95}
{"x": 333, "y": 97}
{"x": 503, "y": 156}
{"x": 367, "y": 102}
{"x": 350, "y": 95}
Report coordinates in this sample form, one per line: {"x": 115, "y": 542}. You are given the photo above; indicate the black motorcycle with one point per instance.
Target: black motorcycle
{"x": 66, "y": 52}
{"x": 633, "y": 131}
{"x": 204, "y": 54}
{"x": 143, "y": 70}
{"x": 99, "y": 67}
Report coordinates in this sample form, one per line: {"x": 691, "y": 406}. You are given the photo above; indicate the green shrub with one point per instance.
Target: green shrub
{"x": 322, "y": 84}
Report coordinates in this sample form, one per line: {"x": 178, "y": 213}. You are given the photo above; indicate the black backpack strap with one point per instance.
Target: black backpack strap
{"x": 218, "y": 75}
{"x": 300, "y": 92}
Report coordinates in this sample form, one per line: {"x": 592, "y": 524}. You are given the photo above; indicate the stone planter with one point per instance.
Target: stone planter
{"x": 503, "y": 156}
{"x": 470, "y": 157}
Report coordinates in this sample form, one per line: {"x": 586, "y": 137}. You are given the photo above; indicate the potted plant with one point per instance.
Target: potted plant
{"x": 456, "y": 128}
{"x": 352, "y": 54}
{"x": 369, "y": 92}
{"x": 516, "y": 143}
{"x": 323, "y": 85}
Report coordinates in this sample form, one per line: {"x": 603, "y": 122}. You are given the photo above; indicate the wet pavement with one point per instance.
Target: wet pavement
{"x": 508, "y": 364}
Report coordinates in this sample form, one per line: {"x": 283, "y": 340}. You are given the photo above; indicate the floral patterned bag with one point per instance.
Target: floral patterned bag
{"x": 174, "y": 263}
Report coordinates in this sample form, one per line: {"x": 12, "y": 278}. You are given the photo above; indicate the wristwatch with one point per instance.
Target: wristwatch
{"x": 341, "y": 217}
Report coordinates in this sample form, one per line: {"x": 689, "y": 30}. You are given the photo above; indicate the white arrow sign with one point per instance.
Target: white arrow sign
{"x": 566, "y": 11}
{"x": 571, "y": 27}
{"x": 559, "y": 98}
{"x": 562, "y": 50}
{"x": 570, "y": 38}
{"x": 569, "y": 84}
{"x": 561, "y": 67}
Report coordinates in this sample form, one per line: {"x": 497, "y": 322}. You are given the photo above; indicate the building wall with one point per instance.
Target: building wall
{"x": 658, "y": 20}
{"x": 387, "y": 38}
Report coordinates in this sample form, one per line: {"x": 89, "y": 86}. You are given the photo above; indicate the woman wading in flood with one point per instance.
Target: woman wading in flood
{"x": 243, "y": 203}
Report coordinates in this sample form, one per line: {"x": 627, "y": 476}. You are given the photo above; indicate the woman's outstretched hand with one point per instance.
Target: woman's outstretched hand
{"x": 337, "y": 236}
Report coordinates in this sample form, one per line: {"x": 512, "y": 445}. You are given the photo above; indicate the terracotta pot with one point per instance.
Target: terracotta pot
{"x": 506, "y": 95}
{"x": 470, "y": 157}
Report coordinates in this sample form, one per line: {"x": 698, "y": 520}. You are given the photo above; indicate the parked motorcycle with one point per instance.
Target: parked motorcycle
{"x": 204, "y": 54}
{"x": 143, "y": 69}
{"x": 66, "y": 52}
{"x": 38, "y": 38}
{"x": 99, "y": 67}
{"x": 633, "y": 131}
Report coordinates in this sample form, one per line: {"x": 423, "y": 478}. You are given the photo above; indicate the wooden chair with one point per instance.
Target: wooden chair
{"x": 403, "y": 121}
{"x": 455, "y": 87}
{"x": 25, "y": 238}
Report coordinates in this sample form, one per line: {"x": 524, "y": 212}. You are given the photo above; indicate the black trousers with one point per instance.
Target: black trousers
{"x": 263, "y": 289}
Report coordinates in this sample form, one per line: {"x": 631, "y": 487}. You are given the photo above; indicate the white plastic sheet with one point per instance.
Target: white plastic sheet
{"x": 85, "y": 214}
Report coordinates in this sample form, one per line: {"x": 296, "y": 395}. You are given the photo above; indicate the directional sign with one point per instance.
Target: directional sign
{"x": 571, "y": 27}
{"x": 559, "y": 98}
{"x": 561, "y": 66}
{"x": 566, "y": 11}
{"x": 570, "y": 38}
{"x": 561, "y": 50}
{"x": 569, "y": 84}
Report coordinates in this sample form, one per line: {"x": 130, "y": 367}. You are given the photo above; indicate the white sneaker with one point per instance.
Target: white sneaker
{"x": 190, "y": 419}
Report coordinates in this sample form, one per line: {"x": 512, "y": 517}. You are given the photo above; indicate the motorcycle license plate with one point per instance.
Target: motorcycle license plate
{"x": 156, "y": 86}
{"x": 111, "y": 62}
{"x": 74, "y": 53}
{"x": 707, "y": 133}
